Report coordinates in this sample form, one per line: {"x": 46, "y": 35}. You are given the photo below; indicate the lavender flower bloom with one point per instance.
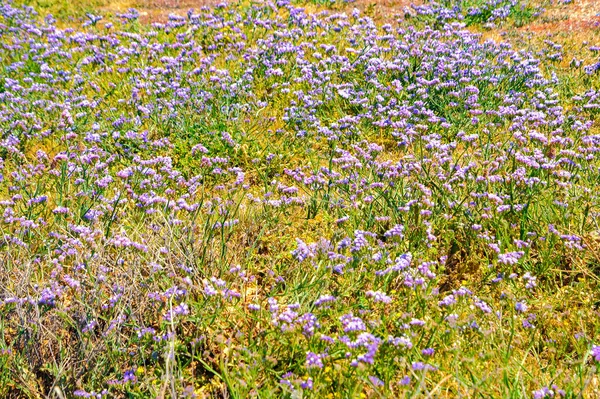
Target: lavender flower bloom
{"x": 428, "y": 352}
{"x": 304, "y": 251}
{"x": 596, "y": 352}
{"x": 314, "y": 360}
{"x": 402, "y": 263}
{"x": 521, "y": 307}
{"x": 359, "y": 241}
{"x": 378, "y": 296}
{"x": 543, "y": 393}
{"x": 396, "y": 231}
{"x": 308, "y": 384}
{"x": 484, "y": 307}
{"x": 400, "y": 341}
{"x": 179, "y": 310}
{"x": 510, "y": 258}
{"x": 531, "y": 281}
{"x": 419, "y": 366}
{"x": 447, "y": 301}
{"x": 351, "y": 323}
{"x": 129, "y": 376}
{"x": 83, "y": 394}
{"x": 376, "y": 381}
{"x": 324, "y": 299}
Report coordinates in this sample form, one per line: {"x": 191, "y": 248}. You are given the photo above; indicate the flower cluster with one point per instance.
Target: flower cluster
{"x": 256, "y": 198}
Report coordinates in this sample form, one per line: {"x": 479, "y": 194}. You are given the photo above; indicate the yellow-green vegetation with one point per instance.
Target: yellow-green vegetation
{"x": 295, "y": 199}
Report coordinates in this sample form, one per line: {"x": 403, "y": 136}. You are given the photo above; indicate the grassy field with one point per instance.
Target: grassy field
{"x": 299, "y": 199}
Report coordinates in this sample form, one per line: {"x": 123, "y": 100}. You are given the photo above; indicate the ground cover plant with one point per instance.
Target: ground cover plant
{"x": 293, "y": 199}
